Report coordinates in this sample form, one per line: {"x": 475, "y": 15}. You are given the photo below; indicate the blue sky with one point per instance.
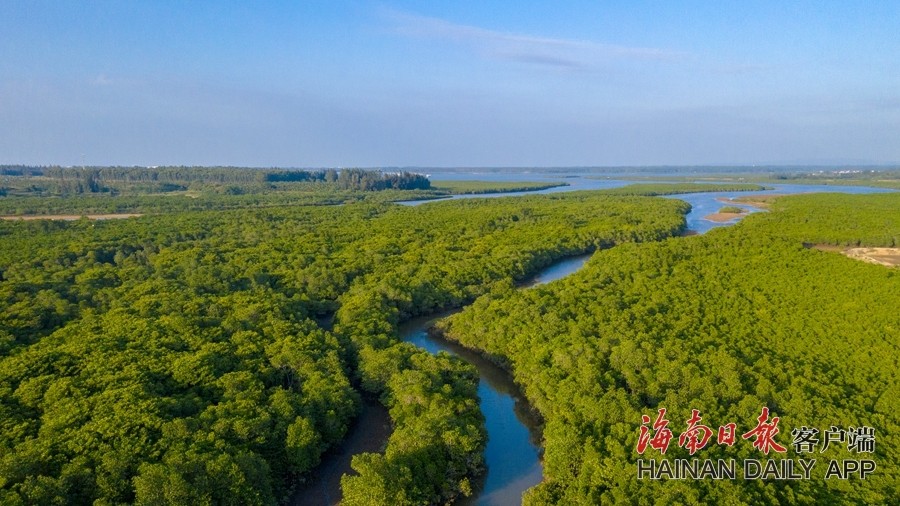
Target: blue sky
{"x": 463, "y": 83}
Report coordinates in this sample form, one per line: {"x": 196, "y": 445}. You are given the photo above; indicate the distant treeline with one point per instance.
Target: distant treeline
{"x": 19, "y": 170}
{"x": 93, "y": 178}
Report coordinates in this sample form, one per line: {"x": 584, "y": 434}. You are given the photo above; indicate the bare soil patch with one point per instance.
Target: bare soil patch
{"x": 889, "y": 257}
{"x": 723, "y": 217}
{"x": 760, "y": 201}
{"x": 881, "y": 256}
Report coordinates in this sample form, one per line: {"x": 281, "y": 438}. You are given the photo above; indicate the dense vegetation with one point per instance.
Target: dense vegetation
{"x": 118, "y": 190}
{"x": 65, "y": 181}
{"x": 110, "y": 190}
{"x": 732, "y": 210}
{"x": 180, "y": 358}
{"x": 727, "y": 322}
{"x": 217, "y": 198}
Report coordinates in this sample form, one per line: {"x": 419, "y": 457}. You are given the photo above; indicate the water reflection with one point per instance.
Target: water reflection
{"x": 368, "y": 434}
{"x": 513, "y": 449}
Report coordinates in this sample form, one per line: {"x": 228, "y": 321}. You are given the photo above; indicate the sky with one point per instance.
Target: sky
{"x": 449, "y": 84}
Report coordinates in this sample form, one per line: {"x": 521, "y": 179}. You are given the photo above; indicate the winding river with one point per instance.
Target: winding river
{"x": 513, "y": 453}
{"x": 514, "y": 440}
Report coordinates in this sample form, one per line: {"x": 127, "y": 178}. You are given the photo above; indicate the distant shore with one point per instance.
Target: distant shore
{"x": 480, "y": 187}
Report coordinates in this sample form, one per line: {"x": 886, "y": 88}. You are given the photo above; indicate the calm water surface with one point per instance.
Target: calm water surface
{"x": 513, "y": 450}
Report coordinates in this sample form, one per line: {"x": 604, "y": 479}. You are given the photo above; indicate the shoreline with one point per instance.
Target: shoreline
{"x": 471, "y": 188}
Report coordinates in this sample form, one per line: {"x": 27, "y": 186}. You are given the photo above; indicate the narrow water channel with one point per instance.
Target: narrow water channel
{"x": 369, "y": 433}
{"x": 513, "y": 453}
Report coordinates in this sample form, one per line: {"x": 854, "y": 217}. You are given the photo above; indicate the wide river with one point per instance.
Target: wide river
{"x": 513, "y": 450}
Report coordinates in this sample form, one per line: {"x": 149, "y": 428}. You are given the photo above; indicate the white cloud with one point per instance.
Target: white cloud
{"x": 102, "y": 80}
{"x": 536, "y": 50}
